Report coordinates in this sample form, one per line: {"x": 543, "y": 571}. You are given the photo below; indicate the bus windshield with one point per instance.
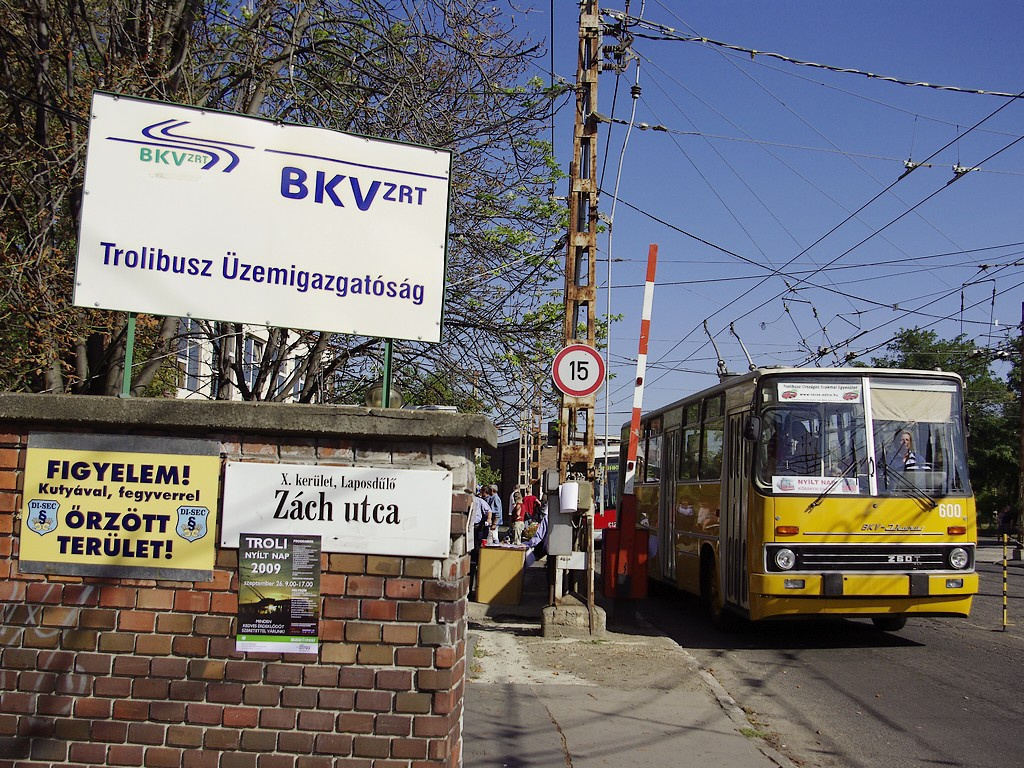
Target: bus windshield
{"x": 873, "y": 435}
{"x": 918, "y": 442}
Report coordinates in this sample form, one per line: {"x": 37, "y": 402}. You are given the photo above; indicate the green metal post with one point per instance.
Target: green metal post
{"x": 129, "y": 348}
{"x": 386, "y": 392}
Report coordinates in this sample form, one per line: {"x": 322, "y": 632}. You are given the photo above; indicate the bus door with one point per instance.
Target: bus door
{"x": 667, "y": 510}
{"x": 733, "y": 542}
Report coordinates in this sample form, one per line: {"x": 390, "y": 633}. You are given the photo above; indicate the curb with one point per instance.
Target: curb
{"x": 730, "y": 707}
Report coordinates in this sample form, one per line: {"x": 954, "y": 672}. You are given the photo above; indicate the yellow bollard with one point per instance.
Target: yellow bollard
{"x": 1005, "y": 541}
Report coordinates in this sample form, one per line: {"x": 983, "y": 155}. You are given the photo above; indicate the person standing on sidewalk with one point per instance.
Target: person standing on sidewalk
{"x": 518, "y": 519}
{"x": 494, "y": 500}
{"x": 531, "y": 507}
{"x": 479, "y": 512}
{"x": 537, "y": 545}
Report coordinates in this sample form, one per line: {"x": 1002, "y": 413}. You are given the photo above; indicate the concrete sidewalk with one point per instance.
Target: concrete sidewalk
{"x": 629, "y": 696}
{"x": 990, "y": 550}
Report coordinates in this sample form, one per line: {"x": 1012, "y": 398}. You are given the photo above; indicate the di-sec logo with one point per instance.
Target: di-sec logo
{"x": 42, "y": 516}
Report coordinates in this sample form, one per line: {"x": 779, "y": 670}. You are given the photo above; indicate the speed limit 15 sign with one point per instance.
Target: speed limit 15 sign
{"x": 578, "y": 370}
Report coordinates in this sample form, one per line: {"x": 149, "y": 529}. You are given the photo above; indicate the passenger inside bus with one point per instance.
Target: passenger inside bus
{"x": 803, "y": 457}
{"x": 812, "y": 443}
{"x": 789, "y": 450}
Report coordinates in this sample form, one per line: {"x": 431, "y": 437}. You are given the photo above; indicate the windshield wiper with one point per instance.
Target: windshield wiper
{"x": 921, "y": 494}
{"x": 831, "y": 486}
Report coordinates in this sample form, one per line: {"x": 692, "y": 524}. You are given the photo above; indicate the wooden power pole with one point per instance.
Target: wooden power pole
{"x": 576, "y": 419}
{"x": 1020, "y": 447}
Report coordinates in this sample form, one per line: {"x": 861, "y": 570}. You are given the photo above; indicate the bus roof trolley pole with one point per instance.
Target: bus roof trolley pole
{"x": 625, "y": 561}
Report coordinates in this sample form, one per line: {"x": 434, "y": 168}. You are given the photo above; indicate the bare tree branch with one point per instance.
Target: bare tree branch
{"x": 445, "y": 73}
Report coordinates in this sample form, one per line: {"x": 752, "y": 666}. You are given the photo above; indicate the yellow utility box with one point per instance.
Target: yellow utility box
{"x": 500, "y": 580}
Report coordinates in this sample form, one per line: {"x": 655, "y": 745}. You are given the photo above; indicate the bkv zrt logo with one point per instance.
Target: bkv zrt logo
{"x": 166, "y": 144}
{"x": 42, "y": 516}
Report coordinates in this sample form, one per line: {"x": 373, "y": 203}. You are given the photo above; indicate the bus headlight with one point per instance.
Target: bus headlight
{"x": 785, "y": 559}
{"x": 958, "y": 558}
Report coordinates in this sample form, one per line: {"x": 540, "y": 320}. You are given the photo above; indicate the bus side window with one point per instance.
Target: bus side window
{"x": 653, "y": 459}
{"x": 711, "y": 458}
{"x": 653, "y": 471}
{"x": 689, "y": 450}
{"x": 641, "y": 453}
{"x": 713, "y": 437}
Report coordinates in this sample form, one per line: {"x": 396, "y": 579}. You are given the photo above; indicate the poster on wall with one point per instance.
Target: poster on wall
{"x": 278, "y": 593}
{"x": 121, "y": 506}
{"x": 359, "y": 510}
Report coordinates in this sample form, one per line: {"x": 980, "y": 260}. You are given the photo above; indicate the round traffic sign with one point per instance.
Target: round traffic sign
{"x": 578, "y": 370}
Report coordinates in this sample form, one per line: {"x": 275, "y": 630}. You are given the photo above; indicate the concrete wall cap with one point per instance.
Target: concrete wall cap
{"x": 334, "y": 421}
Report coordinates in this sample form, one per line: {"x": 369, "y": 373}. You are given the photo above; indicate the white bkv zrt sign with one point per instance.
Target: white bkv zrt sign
{"x": 189, "y": 212}
{"x": 359, "y": 510}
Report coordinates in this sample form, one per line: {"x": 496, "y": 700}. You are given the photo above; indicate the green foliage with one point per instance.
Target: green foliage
{"x": 454, "y": 74}
{"x": 436, "y": 389}
{"x": 485, "y": 475}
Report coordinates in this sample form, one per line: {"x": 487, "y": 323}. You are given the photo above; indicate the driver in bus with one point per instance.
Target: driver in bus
{"x": 906, "y": 453}
{"x": 905, "y": 457}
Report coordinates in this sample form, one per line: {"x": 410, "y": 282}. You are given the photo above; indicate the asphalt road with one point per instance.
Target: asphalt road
{"x": 840, "y": 694}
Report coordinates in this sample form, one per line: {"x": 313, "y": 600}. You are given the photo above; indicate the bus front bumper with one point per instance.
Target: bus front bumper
{"x": 942, "y": 594}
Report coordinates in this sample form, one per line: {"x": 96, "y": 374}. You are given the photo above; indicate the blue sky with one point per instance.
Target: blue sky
{"x": 793, "y": 169}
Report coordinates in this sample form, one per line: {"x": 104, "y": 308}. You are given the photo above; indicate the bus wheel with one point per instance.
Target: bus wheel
{"x": 713, "y": 598}
{"x": 656, "y": 587}
{"x": 889, "y": 623}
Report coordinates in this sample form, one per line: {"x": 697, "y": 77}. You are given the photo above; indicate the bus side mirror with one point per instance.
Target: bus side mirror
{"x": 752, "y": 428}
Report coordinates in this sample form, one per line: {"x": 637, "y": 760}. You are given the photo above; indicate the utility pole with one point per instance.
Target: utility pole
{"x": 525, "y": 476}
{"x": 576, "y": 419}
{"x": 1020, "y": 430}
{"x": 536, "y": 427}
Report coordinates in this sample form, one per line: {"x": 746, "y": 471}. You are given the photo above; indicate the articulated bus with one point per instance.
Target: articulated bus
{"x": 790, "y": 492}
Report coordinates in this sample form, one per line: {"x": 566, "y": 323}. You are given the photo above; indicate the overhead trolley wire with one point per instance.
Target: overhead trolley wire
{"x": 935, "y": 321}
{"x": 805, "y": 280}
{"x": 777, "y": 271}
{"x": 909, "y": 168}
{"x": 786, "y": 106}
{"x": 879, "y": 195}
{"x": 669, "y": 34}
{"x": 787, "y": 165}
{"x": 772, "y": 271}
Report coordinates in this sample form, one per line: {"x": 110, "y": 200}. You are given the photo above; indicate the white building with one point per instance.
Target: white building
{"x": 195, "y": 355}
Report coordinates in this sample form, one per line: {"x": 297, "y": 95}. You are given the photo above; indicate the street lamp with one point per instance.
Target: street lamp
{"x": 374, "y": 396}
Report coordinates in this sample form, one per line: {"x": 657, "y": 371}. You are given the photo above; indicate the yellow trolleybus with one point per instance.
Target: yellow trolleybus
{"x": 790, "y": 492}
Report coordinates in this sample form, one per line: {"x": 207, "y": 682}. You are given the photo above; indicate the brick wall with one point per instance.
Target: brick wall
{"x": 132, "y": 672}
